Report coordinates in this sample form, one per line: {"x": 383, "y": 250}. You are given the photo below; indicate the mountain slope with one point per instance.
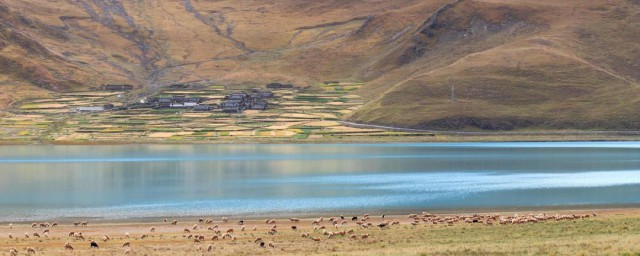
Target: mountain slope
{"x": 514, "y": 64}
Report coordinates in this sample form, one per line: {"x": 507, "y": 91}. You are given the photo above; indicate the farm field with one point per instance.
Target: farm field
{"x": 292, "y": 115}
{"x": 611, "y": 232}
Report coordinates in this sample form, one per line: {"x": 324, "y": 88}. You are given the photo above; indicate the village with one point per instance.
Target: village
{"x": 236, "y": 102}
{"x": 195, "y": 112}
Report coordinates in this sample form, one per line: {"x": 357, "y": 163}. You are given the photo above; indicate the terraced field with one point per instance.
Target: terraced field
{"x": 294, "y": 114}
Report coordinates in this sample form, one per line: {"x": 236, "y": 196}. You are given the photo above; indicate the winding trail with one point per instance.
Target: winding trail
{"x": 401, "y": 129}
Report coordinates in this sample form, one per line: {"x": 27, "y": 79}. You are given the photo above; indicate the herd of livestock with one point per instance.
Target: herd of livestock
{"x": 319, "y": 229}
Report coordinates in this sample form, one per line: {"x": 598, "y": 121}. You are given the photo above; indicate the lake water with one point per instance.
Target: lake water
{"x": 133, "y": 181}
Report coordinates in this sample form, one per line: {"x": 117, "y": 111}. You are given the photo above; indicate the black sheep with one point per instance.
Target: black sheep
{"x": 94, "y": 245}
{"x": 354, "y": 218}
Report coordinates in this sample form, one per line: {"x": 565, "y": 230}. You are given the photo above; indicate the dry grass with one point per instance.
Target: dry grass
{"x": 612, "y": 232}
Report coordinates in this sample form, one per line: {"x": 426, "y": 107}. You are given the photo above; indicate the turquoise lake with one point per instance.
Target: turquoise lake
{"x": 138, "y": 181}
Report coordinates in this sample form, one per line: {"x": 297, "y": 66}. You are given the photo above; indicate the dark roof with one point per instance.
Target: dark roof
{"x": 202, "y": 108}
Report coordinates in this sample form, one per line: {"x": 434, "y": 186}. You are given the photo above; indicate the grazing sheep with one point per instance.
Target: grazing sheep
{"x": 68, "y": 246}
{"x": 255, "y": 228}
{"x": 242, "y": 228}
{"x": 127, "y": 252}
{"x": 365, "y": 236}
{"x": 315, "y": 239}
{"x": 354, "y": 218}
{"x": 126, "y": 244}
{"x": 214, "y": 238}
{"x": 45, "y": 232}
{"x": 93, "y": 244}
{"x": 35, "y": 234}
{"x": 165, "y": 220}
{"x": 225, "y": 219}
{"x": 230, "y": 230}
{"x": 26, "y": 235}
{"x": 272, "y": 222}
{"x": 84, "y": 223}
{"x": 31, "y": 250}
{"x": 209, "y": 248}
{"x": 272, "y": 245}
{"x": 200, "y": 220}
{"x": 143, "y": 236}
{"x": 10, "y": 236}
{"x": 72, "y": 234}
{"x": 186, "y": 230}
{"x": 305, "y": 234}
{"x": 55, "y": 224}
{"x": 315, "y": 222}
{"x": 76, "y": 224}
{"x": 153, "y": 229}
{"x": 13, "y": 252}
{"x": 241, "y": 222}
{"x": 294, "y": 219}
{"x": 126, "y": 235}
{"x": 34, "y": 225}
{"x": 79, "y": 236}
{"x": 105, "y": 238}
{"x": 175, "y": 222}
{"x": 353, "y": 237}
{"x": 294, "y": 227}
{"x": 258, "y": 239}
{"x": 350, "y": 231}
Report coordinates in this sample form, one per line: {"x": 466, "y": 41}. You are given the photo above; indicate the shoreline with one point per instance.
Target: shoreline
{"x": 317, "y": 214}
{"x": 372, "y": 140}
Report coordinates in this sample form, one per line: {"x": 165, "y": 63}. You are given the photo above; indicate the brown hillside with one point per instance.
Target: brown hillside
{"x": 514, "y": 64}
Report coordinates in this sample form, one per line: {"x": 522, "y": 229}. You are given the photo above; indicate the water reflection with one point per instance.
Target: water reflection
{"x": 153, "y": 180}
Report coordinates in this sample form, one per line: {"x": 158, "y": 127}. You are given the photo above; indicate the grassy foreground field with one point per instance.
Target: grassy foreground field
{"x": 611, "y": 232}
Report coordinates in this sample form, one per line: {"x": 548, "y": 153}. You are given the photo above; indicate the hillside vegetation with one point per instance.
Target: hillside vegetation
{"x": 515, "y": 65}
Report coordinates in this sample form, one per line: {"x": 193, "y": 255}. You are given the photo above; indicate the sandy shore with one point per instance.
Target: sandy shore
{"x": 609, "y": 232}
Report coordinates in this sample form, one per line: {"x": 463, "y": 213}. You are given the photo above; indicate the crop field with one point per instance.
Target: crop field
{"x": 293, "y": 114}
